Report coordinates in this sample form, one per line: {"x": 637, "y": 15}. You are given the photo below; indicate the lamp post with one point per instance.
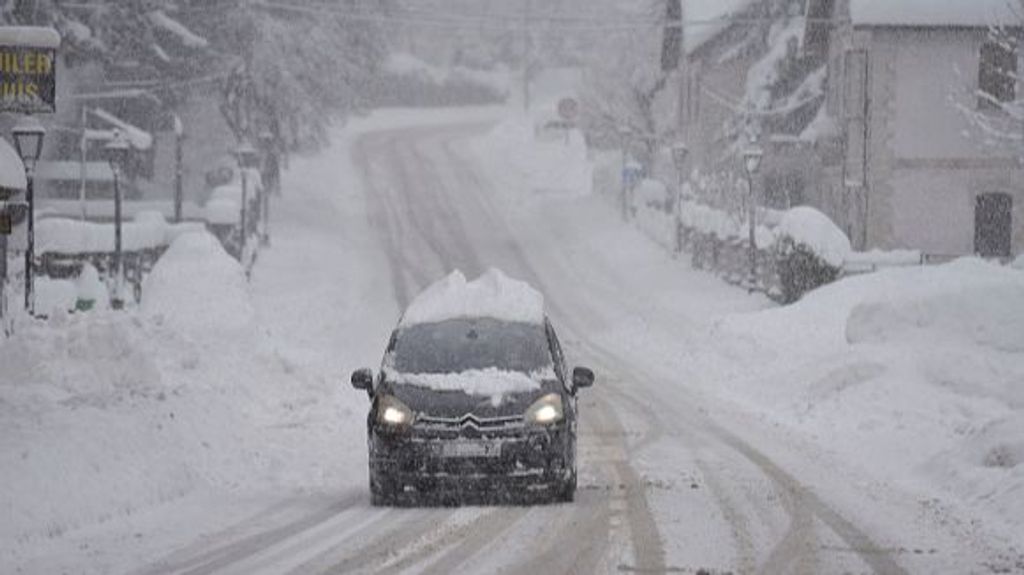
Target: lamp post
{"x": 179, "y": 193}
{"x": 117, "y": 152}
{"x": 268, "y": 176}
{"x": 624, "y": 134}
{"x": 679, "y": 155}
{"x": 28, "y": 140}
{"x": 247, "y": 157}
{"x": 752, "y": 157}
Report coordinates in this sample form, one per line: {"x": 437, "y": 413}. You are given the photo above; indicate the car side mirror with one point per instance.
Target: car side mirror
{"x": 582, "y": 377}
{"x": 363, "y": 379}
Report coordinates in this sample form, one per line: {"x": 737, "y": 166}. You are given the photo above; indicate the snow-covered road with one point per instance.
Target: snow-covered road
{"x": 673, "y": 478}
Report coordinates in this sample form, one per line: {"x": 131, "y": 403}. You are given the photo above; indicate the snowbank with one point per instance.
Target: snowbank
{"x": 814, "y": 229}
{"x": 968, "y": 299}
{"x": 913, "y": 371}
{"x": 493, "y": 294}
{"x": 198, "y": 287}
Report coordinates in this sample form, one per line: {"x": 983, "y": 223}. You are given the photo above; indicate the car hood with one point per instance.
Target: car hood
{"x": 454, "y": 404}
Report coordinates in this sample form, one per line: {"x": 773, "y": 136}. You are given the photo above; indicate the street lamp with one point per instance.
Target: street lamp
{"x": 269, "y": 179}
{"x": 179, "y": 140}
{"x": 752, "y": 158}
{"x": 624, "y": 134}
{"x": 679, "y": 155}
{"x": 117, "y": 154}
{"x": 248, "y": 158}
{"x": 28, "y": 140}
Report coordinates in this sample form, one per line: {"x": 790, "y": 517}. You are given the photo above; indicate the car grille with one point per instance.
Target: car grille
{"x": 469, "y": 424}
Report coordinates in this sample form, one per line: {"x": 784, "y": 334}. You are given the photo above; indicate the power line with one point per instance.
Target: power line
{"x": 539, "y": 22}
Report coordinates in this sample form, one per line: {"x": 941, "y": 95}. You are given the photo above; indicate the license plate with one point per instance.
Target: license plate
{"x": 471, "y": 449}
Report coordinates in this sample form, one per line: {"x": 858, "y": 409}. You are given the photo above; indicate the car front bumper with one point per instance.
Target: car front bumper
{"x": 505, "y": 465}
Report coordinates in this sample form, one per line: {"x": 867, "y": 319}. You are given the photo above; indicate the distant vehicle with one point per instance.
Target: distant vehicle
{"x": 474, "y": 401}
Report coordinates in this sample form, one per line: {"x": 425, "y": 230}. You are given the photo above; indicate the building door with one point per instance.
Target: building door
{"x": 993, "y": 225}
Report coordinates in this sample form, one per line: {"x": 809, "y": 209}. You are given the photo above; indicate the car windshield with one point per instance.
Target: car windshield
{"x": 458, "y": 345}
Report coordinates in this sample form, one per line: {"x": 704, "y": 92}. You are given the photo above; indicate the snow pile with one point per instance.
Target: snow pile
{"x": 556, "y": 166}
{"x": 223, "y": 212}
{"x": 54, "y": 296}
{"x": 806, "y": 225}
{"x": 89, "y": 288}
{"x": 492, "y": 295}
{"x": 489, "y": 382}
{"x": 914, "y": 371}
{"x": 968, "y": 299}
{"x": 198, "y": 287}
{"x": 1018, "y": 263}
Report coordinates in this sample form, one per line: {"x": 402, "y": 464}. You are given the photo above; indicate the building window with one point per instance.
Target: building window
{"x": 997, "y": 72}
{"x": 993, "y": 225}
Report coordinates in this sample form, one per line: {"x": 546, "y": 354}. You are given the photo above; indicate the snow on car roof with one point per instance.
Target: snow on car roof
{"x": 493, "y": 295}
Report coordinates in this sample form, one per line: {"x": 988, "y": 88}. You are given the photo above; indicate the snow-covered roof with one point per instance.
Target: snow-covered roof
{"x": 12, "y": 171}
{"x": 972, "y": 13}
{"x": 74, "y": 236}
{"x": 492, "y": 295}
{"x": 187, "y": 37}
{"x": 706, "y": 18}
{"x": 64, "y": 170}
{"x": 31, "y": 36}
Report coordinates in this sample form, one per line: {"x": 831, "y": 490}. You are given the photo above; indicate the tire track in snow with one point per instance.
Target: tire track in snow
{"x": 797, "y": 545}
{"x": 456, "y": 246}
{"x": 226, "y": 549}
{"x": 643, "y": 530}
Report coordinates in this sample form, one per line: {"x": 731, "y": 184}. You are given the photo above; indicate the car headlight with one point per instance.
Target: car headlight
{"x": 393, "y": 413}
{"x": 546, "y": 410}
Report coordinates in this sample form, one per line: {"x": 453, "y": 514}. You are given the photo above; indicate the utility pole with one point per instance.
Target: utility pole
{"x": 83, "y": 149}
{"x": 683, "y": 79}
{"x": 526, "y": 55}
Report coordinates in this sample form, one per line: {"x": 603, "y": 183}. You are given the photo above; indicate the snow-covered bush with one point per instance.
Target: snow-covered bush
{"x": 800, "y": 269}
{"x": 810, "y": 252}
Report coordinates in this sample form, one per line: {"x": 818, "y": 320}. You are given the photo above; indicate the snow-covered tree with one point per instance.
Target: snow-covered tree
{"x": 631, "y": 89}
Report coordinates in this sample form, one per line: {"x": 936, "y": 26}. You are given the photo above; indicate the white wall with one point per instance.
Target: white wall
{"x": 928, "y": 161}
{"x": 936, "y": 72}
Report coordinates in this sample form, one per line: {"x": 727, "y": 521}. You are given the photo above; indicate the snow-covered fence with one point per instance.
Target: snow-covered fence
{"x": 65, "y": 247}
{"x": 795, "y": 251}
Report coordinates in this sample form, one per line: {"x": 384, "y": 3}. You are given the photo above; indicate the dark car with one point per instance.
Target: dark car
{"x": 472, "y": 409}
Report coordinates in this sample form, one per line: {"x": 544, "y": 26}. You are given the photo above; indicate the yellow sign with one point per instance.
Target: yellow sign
{"x": 28, "y": 59}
